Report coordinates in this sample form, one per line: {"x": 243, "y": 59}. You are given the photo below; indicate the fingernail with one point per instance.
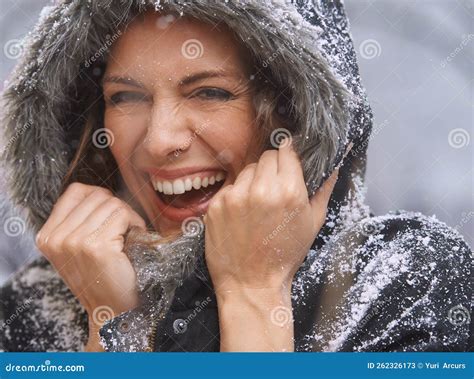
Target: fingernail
{"x": 37, "y": 237}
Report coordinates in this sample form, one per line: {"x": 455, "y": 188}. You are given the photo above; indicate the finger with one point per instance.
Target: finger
{"x": 267, "y": 168}
{"x": 80, "y": 213}
{"x": 109, "y": 221}
{"x": 320, "y": 200}
{"x": 216, "y": 199}
{"x": 245, "y": 178}
{"x": 69, "y": 200}
{"x": 289, "y": 164}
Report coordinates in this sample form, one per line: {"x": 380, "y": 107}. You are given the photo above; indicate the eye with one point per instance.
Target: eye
{"x": 213, "y": 94}
{"x": 127, "y": 97}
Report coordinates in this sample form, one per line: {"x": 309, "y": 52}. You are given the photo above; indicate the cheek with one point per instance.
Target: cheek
{"x": 232, "y": 138}
{"x": 127, "y": 132}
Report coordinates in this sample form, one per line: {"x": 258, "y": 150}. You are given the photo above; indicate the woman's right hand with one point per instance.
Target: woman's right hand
{"x": 84, "y": 240}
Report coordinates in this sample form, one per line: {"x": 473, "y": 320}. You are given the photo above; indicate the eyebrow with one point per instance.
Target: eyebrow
{"x": 198, "y": 76}
{"x": 188, "y": 80}
{"x": 122, "y": 80}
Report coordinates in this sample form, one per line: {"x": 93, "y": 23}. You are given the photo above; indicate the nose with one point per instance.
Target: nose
{"x": 169, "y": 130}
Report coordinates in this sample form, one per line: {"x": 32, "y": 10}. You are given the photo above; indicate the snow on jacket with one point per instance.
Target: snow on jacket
{"x": 398, "y": 282}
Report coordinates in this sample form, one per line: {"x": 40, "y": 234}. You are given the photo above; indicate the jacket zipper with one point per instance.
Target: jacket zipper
{"x": 152, "y": 337}
{"x": 154, "y": 316}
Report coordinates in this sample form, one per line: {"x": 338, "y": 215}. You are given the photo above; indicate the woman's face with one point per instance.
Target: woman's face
{"x": 179, "y": 106}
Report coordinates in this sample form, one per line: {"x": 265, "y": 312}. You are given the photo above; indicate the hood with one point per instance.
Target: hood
{"x": 304, "y": 45}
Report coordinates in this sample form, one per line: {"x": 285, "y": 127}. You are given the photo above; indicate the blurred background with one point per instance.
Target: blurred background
{"x": 416, "y": 59}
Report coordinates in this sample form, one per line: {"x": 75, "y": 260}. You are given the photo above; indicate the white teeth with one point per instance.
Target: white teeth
{"x": 167, "y": 188}
{"x": 188, "y": 184}
{"x": 197, "y": 182}
{"x": 180, "y": 186}
{"x": 220, "y": 176}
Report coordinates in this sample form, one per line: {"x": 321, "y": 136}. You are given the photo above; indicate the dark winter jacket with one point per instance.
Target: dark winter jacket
{"x": 399, "y": 282}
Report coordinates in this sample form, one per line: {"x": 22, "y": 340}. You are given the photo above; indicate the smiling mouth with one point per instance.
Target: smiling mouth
{"x": 189, "y": 192}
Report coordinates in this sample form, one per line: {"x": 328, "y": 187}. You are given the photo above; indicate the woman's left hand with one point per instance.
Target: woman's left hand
{"x": 259, "y": 229}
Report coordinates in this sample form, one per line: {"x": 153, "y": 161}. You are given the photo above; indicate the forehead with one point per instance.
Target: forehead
{"x": 164, "y": 44}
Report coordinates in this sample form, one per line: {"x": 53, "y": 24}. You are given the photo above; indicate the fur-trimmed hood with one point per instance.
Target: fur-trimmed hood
{"x": 304, "y": 45}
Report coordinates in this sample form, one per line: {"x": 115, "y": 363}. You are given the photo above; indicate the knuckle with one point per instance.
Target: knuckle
{"x": 91, "y": 248}
{"x": 291, "y": 194}
{"x": 54, "y": 244}
{"x": 214, "y": 207}
{"x": 101, "y": 193}
{"x": 115, "y": 203}
{"x": 233, "y": 200}
{"x": 250, "y": 167}
{"x": 40, "y": 239}
{"x": 73, "y": 244}
{"x": 258, "y": 195}
{"x": 75, "y": 188}
{"x": 104, "y": 190}
{"x": 272, "y": 202}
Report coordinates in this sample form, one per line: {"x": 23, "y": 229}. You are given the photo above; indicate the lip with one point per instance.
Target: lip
{"x": 180, "y": 172}
{"x": 180, "y": 214}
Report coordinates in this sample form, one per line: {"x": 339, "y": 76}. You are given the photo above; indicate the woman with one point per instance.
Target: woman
{"x": 145, "y": 117}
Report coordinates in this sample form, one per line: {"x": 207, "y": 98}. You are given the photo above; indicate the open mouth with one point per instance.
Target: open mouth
{"x": 189, "y": 192}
